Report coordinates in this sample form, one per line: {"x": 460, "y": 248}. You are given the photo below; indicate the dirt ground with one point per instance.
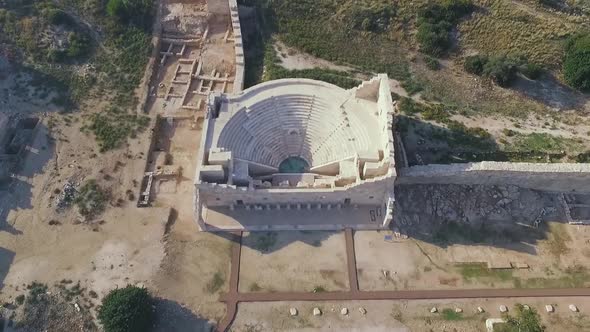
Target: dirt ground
{"x": 267, "y": 262}
{"x": 401, "y": 315}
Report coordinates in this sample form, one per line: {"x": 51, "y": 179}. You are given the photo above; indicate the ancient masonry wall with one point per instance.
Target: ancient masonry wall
{"x": 239, "y": 46}
{"x": 547, "y": 177}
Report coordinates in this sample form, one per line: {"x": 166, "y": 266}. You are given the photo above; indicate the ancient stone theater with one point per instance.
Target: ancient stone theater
{"x": 297, "y": 154}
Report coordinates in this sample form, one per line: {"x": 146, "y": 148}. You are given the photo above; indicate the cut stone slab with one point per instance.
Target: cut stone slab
{"x": 344, "y": 311}
{"x": 549, "y": 308}
{"x": 293, "y": 312}
{"x": 526, "y": 307}
{"x": 573, "y": 308}
{"x": 503, "y": 308}
{"x": 317, "y": 311}
{"x": 458, "y": 310}
{"x": 362, "y": 310}
{"x": 480, "y": 310}
{"x": 434, "y": 310}
{"x": 519, "y": 265}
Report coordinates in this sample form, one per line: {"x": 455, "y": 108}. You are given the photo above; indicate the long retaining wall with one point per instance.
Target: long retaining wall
{"x": 239, "y": 46}
{"x": 547, "y": 177}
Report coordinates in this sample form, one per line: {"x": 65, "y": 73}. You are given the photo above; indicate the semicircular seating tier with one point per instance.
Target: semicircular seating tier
{"x": 316, "y": 121}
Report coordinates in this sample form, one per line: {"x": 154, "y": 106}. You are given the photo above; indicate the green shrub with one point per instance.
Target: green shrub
{"x": 431, "y": 63}
{"x": 20, "y": 299}
{"x": 531, "y": 70}
{"x": 524, "y": 320}
{"x": 91, "y": 199}
{"x": 127, "y": 309}
{"x": 408, "y": 106}
{"x": 136, "y": 12}
{"x": 434, "y": 38}
{"x": 475, "y": 64}
{"x": 576, "y": 66}
{"x": 508, "y": 132}
{"x": 79, "y": 45}
{"x": 501, "y": 70}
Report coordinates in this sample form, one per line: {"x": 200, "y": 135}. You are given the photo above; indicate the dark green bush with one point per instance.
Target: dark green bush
{"x": 576, "y": 66}
{"x": 79, "y": 45}
{"x": 501, "y": 70}
{"x": 474, "y": 64}
{"x": 531, "y": 70}
{"x": 136, "y": 12}
{"x": 127, "y": 309}
{"x": 434, "y": 38}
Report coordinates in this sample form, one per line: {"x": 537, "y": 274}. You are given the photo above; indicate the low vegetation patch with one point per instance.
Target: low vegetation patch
{"x": 216, "y": 282}
{"x": 84, "y": 50}
{"x": 544, "y": 143}
{"x": 355, "y": 33}
{"x": 435, "y": 23}
{"x": 273, "y": 70}
{"x": 91, "y": 199}
{"x": 504, "y": 28}
{"x": 114, "y": 126}
{"x": 451, "y": 315}
{"x": 480, "y": 272}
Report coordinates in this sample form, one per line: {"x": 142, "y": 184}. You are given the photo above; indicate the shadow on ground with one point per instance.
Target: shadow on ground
{"x": 270, "y": 241}
{"x": 171, "y": 316}
{"x": 551, "y": 92}
{"x": 16, "y": 193}
{"x": 6, "y": 258}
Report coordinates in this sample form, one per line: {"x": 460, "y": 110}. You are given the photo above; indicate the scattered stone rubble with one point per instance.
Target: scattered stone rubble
{"x": 425, "y": 204}
{"x": 66, "y": 196}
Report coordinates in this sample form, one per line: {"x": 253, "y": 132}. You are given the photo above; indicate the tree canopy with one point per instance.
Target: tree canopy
{"x": 126, "y": 309}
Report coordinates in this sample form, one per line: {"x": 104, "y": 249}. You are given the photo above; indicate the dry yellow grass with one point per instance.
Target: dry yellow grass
{"x": 519, "y": 28}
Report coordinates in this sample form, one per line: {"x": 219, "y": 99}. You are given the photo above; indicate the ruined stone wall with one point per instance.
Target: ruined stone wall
{"x": 239, "y": 46}
{"x": 546, "y": 177}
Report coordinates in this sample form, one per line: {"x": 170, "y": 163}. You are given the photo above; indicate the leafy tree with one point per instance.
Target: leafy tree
{"x": 127, "y": 309}
{"x": 576, "y": 65}
{"x": 525, "y": 320}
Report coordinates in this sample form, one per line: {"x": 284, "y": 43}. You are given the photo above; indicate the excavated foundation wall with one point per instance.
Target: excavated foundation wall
{"x": 546, "y": 177}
